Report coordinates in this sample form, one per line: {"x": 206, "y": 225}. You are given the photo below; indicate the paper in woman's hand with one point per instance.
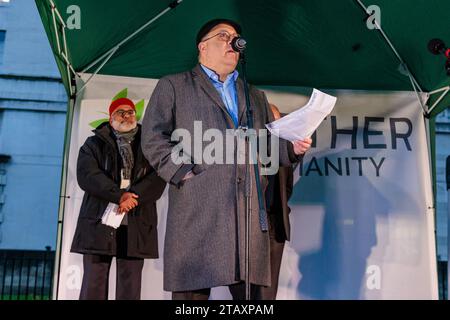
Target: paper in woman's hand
{"x": 302, "y": 123}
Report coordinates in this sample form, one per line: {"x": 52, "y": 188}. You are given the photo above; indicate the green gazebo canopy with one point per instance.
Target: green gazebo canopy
{"x": 320, "y": 43}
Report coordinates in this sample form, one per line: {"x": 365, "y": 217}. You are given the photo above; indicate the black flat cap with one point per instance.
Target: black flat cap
{"x": 207, "y": 27}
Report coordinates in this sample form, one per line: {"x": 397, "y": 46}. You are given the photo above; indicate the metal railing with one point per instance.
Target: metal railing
{"x": 26, "y": 275}
{"x": 443, "y": 280}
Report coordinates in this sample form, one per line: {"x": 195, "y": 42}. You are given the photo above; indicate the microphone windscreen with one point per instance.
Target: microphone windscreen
{"x": 238, "y": 44}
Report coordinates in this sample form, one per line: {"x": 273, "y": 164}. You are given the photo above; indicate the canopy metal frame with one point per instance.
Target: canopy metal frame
{"x": 110, "y": 53}
{"x": 60, "y": 26}
{"x": 444, "y": 91}
{"x": 415, "y": 85}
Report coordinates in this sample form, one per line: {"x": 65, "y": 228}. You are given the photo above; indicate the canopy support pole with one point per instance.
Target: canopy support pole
{"x": 414, "y": 82}
{"x": 445, "y": 89}
{"x": 63, "y": 197}
{"x": 170, "y": 7}
{"x": 97, "y": 70}
{"x": 62, "y": 52}
{"x": 108, "y": 55}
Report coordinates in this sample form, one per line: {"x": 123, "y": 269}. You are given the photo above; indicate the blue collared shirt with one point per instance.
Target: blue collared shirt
{"x": 227, "y": 91}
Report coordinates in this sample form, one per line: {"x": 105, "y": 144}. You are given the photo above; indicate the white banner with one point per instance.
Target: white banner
{"x": 361, "y": 223}
{"x": 362, "y": 219}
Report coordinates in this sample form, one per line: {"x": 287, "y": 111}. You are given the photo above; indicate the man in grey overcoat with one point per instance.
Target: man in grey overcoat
{"x": 204, "y": 240}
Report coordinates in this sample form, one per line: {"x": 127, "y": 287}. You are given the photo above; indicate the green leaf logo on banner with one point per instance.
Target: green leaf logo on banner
{"x": 121, "y": 94}
{"x": 139, "y": 109}
{"x": 96, "y": 123}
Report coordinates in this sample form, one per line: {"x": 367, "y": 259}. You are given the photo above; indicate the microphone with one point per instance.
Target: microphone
{"x": 238, "y": 44}
{"x": 437, "y": 46}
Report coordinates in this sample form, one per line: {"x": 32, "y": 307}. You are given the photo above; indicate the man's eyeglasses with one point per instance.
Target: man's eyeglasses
{"x": 123, "y": 113}
{"x": 223, "y": 36}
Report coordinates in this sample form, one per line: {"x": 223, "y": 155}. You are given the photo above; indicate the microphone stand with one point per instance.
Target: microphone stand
{"x": 248, "y": 181}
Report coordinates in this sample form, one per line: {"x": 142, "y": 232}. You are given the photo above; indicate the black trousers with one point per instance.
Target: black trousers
{"x": 96, "y": 273}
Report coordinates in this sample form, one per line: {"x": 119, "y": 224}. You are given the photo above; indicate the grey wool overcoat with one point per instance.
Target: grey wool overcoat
{"x": 204, "y": 240}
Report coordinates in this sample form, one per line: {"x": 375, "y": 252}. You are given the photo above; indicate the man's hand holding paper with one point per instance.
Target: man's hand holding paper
{"x": 301, "y": 146}
{"x": 298, "y": 126}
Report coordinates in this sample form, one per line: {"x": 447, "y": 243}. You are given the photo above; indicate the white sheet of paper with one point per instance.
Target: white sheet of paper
{"x": 302, "y": 123}
{"x": 111, "y": 217}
